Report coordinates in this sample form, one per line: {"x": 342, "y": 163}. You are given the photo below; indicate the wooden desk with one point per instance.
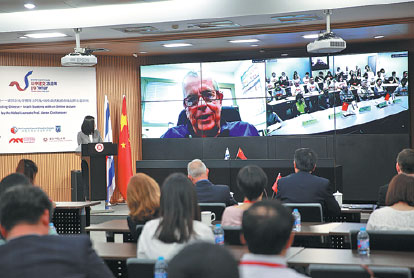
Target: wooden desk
{"x": 116, "y": 251}
{"x": 239, "y": 251}
{"x": 343, "y": 229}
{"x": 317, "y": 229}
{"x": 72, "y": 217}
{"x": 346, "y": 256}
{"x": 112, "y": 227}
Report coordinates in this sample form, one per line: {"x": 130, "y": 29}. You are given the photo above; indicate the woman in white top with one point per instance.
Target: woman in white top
{"x": 399, "y": 215}
{"x": 178, "y": 224}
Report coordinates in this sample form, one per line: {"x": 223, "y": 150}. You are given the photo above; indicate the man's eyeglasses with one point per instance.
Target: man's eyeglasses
{"x": 208, "y": 96}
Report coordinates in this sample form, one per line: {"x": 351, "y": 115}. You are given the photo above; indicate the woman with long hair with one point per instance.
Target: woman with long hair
{"x": 88, "y": 133}
{"x": 178, "y": 224}
{"x": 28, "y": 168}
{"x": 143, "y": 199}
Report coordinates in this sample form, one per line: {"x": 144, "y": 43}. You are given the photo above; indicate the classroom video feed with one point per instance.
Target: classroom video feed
{"x": 218, "y": 99}
{"x": 358, "y": 93}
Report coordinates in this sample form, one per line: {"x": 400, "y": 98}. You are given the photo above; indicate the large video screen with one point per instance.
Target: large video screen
{"x": 358, "y": 93}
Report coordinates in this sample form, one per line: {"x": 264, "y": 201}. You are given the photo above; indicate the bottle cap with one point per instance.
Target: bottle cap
{"x": 218, "y": 225}
{"x": 160, "y": 258}
{"x": 295, "y": 210}
{"x": 363, "y": 229}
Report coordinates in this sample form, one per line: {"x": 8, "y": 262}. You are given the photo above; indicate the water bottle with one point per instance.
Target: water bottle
{"x": 160, "y": 268}
{"x": 297, "y": 224}
{"x": 227, "y": 154}
{"x": 219, "y": 234}
{"x": 363, "y": 242}
{"x": 52, "y": 229}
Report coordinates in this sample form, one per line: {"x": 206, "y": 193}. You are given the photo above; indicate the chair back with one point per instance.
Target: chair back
{"x": 386, "y": 240}
{"x": 143, "y": 268}
{"x": 139, "y": 228}
{"x": 217, "y": 208}
{"x": 309, "y": 212}
{"x": 228, "y": 113}
{"x": 356, "y": 271}
{"x": 232, "y": 235}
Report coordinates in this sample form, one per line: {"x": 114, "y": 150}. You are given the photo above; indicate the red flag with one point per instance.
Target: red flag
{"x": 240, "y": 154}
{"x": 387, "y": 96}
{"x": 274, "y": 187}
{"x": 124, "y": 153}
{"x": 345, "y": 106}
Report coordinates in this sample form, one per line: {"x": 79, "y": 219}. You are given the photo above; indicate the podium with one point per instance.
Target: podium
{"x": 94, "y": 154}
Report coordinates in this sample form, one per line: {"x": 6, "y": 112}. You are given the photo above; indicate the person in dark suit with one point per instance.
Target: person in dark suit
{"x": 30, "y": 252}
{"x": 207, "y": 192}
{"x": 404, "y": 165}
{"x": 303, "y": 187}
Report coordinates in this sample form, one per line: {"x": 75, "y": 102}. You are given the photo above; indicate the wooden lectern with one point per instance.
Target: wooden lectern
{"x": 94, "y": 154}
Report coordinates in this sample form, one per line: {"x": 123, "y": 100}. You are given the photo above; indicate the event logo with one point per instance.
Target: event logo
{"x": 58, "y": 128}
{"x": 22, "y": 140}
{"x": 16, "y": 140}
{"x": 26, "y": 82}
{"x": 14, "y": 130}
{"x": 99, "y": 147}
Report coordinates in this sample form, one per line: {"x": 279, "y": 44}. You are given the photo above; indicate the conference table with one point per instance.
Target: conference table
{"x": 72, "y": 217}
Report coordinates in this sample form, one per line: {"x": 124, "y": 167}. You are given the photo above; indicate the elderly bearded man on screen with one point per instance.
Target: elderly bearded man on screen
{"x": 202, "y": 103}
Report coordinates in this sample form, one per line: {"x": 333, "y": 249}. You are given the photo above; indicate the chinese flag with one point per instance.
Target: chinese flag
{"x": 240, "y": 154}
{"x": 124, "y": 153}
{"x": 345, "y": 106}
{"x": 274, "y": 187}
{"x": 387, "y": 96}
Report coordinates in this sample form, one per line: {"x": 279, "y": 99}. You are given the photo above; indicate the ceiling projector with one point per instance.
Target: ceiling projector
{"x": 327, "y": 43}
{"x": 78, "y": 60}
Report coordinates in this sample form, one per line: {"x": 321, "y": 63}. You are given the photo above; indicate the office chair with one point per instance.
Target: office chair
{"x": 143, "y": 268}
{"x": 309, "y": 212}
{"x": 232, "y": 235}
{"x": 228, "y": 113}
{"x": 386, "y": 240}
{"x": 134, "y": 237}
{"x": 357, "y": 271}
{"x": 217, "y": 208}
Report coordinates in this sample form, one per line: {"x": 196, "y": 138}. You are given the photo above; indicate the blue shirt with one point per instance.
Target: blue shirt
{"x": 227, "y": 129}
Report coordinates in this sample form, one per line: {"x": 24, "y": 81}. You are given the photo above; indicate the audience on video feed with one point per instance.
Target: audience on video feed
{"x": 203, "y": 260}
{"x": 338, "y": 73}
{"x": 251, "y": 180}
{"x": 402, "y": 88}
{"x": 340, "y": 83}
{"x": 278, "y": 92}
{"x": 284, "y": 80}
{"x": 306, "y": 78}
{"x": 178, "y": 224}
{"x": 393, "y": 79}
{"x": 296, "y": 89}
{"x": 369, "y": 75}
{"x": 296, "y": 77}
{"x": 405, "y": 77}
{"x": 329, "y": 76}
{"x": 312, "y": 86}
{"x": 274, "y": 79}
{"x": 354, "y": 81}
{"x": 399, "y": 213}
{"x": 378, "y": 88}
{"x": 364, "y": 91}
{"x": 143, "y": 199}
{"x": 320, "y": 78}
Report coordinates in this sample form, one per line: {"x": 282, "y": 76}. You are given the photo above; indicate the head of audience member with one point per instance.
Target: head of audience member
{"x": 24, "y": 210}
{"x": 143, "y": 197}
{"x": 400, "y": 190}
{"x": 252, "y": 181}
{"x": 321, "y": 74}
{"x": 405, "y": 162}
{"x": 283, "y": 74}
{"x": 203, "y": 260}
{"x": 405, "y": 74}
{"x": 305, "y": 160}
{"x": 267, "y": 228}
{"x": 358, "y": 72}
{"x": 382, "y": 71}
{"x": 178, "y": 209}
{"x": 13, "y": 180}
{"x": 367, "y": 68}
{"x": 364, "y": 83}
{"x": 295, "y": 75}
{"x": 296, "y": 83}
{"x": 353, "y": 76}
{"x": 88, "y": 125}
{"x": 307, "y": 74}
{"x": 274, "y": 74}
{"x": 329, "y": 74}
{"x": 202, "y": 102}
{"x": 267, "y": 79}
{"x": 379, "y": 82}
{"x": 197, "y": 170}
{"x": 393, "y": 74}
{"x": 28, "y": 168}
{"x": 311, "y": 80}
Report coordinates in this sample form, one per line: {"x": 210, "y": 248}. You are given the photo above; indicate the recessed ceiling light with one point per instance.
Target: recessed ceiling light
{"x": 254, "y": 45}
{"x": 244, "y": 41}
{"x": 310, "y": 36}
{"x": 378, "y": 37}
{"x": 143, "y": 52}
{"x": 177, "y": 44}
{"x": 45, "y": 35}
{"x": 284, "y": 54}
{"x": 23, "y": 37}
{"x": 29, "y": 6}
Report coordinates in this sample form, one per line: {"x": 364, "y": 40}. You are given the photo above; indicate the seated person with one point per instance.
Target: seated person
{"x": 274, "y": 79}
{"x": 301, "y": 104}
{"x": 203, "y": 260}
{"x": 393, "y": 79}
{"x": 306, "y": 78}
{"x": 378, "y": 88}
{"x": 178, "y": 224}
{"x": 319, "y": 78}
{"x": 340, "y": 83}
{"x": 329, "y": 76}
{"x": 267, "y": 230}
{"x": 251, "y": 181}
{"x": 402, "y": 89}
{"x": 354, "y": 81}
{"x": 296, "y": 89}
{"x": 323, "y": 100}
{"x": 284, "y": 80}
{"x": 399, "y": 213}
{"x": 30, "y": 252}
{"x": 405, "y": 77}
{"x": 303, "y": 187}
{"x": 143, "y": 199}
{"x": 207, "y": 192}
{"x": 28, "y": 168}
{"x": 369, "y": 75}
{"x": 365, "y": 91}
{"x": 269, "y": 87}
{"x": 296, "y": 77}
{"x": 312, "y": 86}
{"x": 202, "y": 103}
{"x": 278, "y": 92}
{"x": 346, "y": 94}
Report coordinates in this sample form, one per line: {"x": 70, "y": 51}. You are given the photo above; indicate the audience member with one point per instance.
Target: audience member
{"x": 399, "y": 215}
{"x": 30, "y": 252}
{"x": 312, "y": 86}
{"x": 405, "y": 165}
{"x": 207, "y": 192}
{"x": 178, "y": 224}
{"x": 303, "y": 187}
{"x": 296, "y": 77}
{"x": 143, "y": 199}
{"x": 13, "y": 180}
{"x": 28, "y": 168}
{"x": 306, "y": 78}
{"x": 378, "y": 88}
{"x": 251, "y": 181}
{"x": 267, "y": 228}
{"x": 203, "y": 260}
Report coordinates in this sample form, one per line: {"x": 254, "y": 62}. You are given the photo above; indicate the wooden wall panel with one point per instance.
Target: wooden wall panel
{"x": 115, "y": 77}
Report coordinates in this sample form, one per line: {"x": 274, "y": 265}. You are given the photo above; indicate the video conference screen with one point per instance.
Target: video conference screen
{"x": 357, "y": 93}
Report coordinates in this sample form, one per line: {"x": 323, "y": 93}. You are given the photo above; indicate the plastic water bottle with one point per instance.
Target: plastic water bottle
{"x": 297, "y": 224}
{"x": 52, "y": 229}
{"x": 219, "y": 234}
{"x": 227, "y": 154}
{"x": 160, "y": 268}
{"x": 363, "y": 242}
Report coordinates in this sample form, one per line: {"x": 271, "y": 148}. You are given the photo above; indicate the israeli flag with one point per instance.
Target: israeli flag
{"x": 110, "y": 165}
